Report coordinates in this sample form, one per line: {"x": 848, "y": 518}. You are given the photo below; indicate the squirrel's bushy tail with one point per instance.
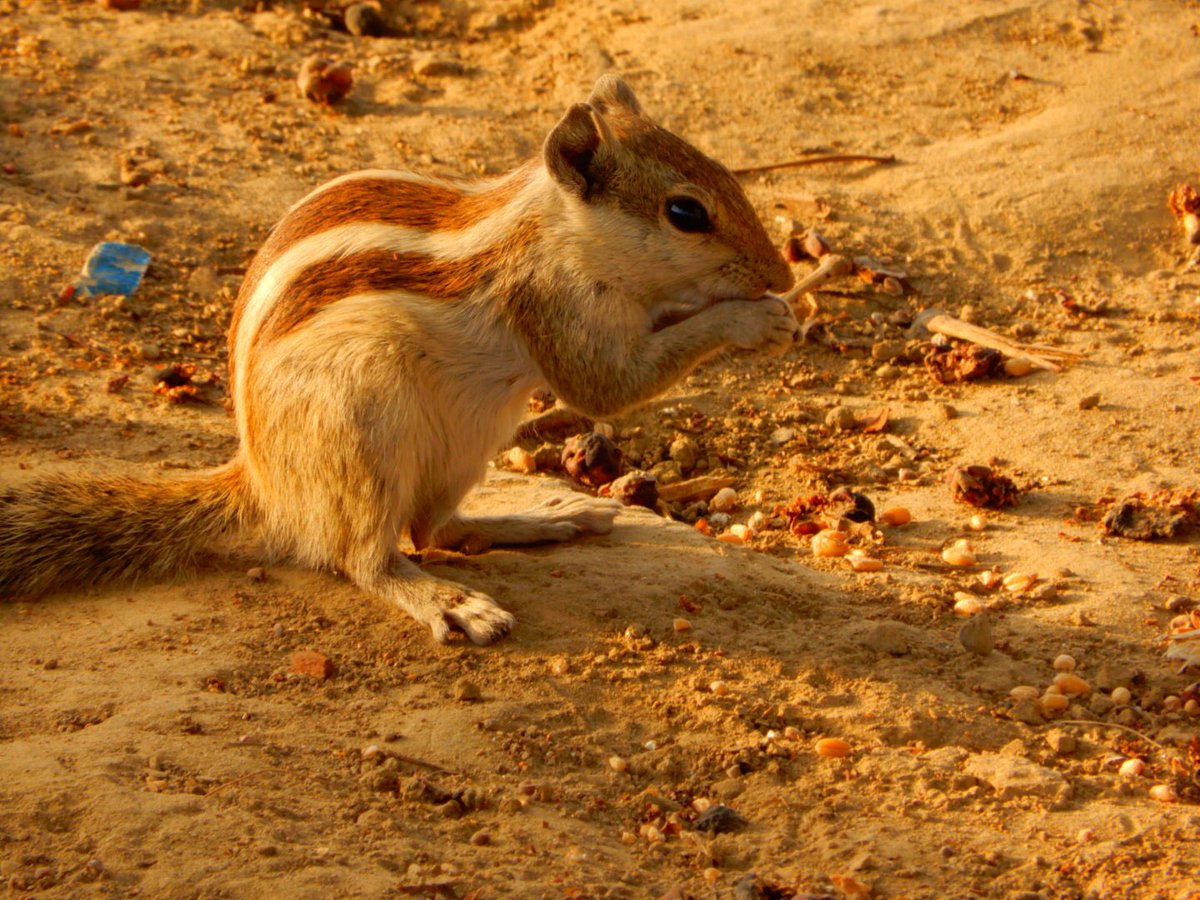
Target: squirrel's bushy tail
{"x": 76, "y": 531}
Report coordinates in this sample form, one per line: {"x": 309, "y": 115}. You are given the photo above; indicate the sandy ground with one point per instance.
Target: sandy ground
{"x": 154, "y": 739}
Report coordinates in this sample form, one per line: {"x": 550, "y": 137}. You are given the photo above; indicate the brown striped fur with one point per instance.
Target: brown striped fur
{"x": 385, "y": 201}
{"x": 327, "y": 281}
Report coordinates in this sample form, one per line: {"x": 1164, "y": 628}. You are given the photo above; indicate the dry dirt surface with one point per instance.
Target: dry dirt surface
{"x": 166, "y": 740}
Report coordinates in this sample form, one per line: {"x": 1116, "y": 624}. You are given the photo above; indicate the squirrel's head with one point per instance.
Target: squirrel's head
{"x": 650, "y": 213}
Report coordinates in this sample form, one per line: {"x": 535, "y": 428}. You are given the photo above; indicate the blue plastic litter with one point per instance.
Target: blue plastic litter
{"x": 113, "y": 268}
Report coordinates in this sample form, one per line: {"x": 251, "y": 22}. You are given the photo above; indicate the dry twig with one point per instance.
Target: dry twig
{"x": 816, "y": 161}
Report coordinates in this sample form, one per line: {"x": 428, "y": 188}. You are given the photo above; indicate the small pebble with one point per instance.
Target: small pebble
{"x": 681, "y": 625}
{"x": 896, "y": 515}
{"x": 724, "y": 500}
{"x": 310, "y": 662}
{"x": 1091, "y": 401}
{"x": 842, "y": 418}
{"x": 1061, "y": 742}
{"x": 1171, "y": 703}
{"x": 481, "y": 838}
{"x": 728, "y": 789}
{"x": 720, "y": 688}
{"x": 1064, "y": 663}
{"x": 1192, "y": 707}
{"x": 990, "y": 579}
{"x": 834, "y": 748}
{"x": 977, "y": 523}
{"x": 1024, "y": 692}
{"x": 976, "y": 635}
{"x": 466, "y": 690}
{"x": 1121, "y": 696}
{"x": 258, "y": 574}
{"x": 617, "y": 764}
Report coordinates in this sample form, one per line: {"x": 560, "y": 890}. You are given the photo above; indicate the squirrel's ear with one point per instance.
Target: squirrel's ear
{"x": 611, "y": 92}
{"x": 572, "y": 146}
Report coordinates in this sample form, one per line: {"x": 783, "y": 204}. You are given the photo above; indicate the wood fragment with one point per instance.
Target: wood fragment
{"x": 831, "y": 266}
{"x": 816, "y": 161}
{"x": 700, "y": 488}
{"x": 1042, "y": 356}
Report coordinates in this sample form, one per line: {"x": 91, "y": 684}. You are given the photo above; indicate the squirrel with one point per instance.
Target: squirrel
{"x": 387, "y": 337}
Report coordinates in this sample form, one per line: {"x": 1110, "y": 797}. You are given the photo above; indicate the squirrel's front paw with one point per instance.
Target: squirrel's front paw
{"x": 767, "y": 324}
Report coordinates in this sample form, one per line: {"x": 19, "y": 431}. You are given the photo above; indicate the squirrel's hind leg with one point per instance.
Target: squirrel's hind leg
{"x": 443, "y": 606}
{"x": 558, "y": 519}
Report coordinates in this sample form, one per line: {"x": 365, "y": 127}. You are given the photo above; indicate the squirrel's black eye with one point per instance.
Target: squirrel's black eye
{"x": 688, "y": 215}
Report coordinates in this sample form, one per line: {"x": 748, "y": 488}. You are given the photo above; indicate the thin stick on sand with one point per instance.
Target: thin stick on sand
{"x": 815, "y": 161}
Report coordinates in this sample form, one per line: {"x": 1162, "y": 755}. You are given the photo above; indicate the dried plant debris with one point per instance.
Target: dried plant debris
{"x": 1158, "y": 516}
{"x": 964, "y": 362}
{"x": 810, "y": 245}
{"x": 184, "y": 383}
{"x": 592, "y": 459}
{"x": 881, "y": 272}
{"x": 719, "y": 819}
{"x": 1184, "y": 643}
{"x": 817, "y": 512}
{"x": 323, "y": 81}
{"x": 983, "y": 487}
{"x": 636, "y": 488}
{"x": 1184, "y": 204}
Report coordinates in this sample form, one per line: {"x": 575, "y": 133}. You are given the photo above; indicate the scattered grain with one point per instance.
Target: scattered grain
{"x": 967, "y": 604}
{"x": 1054, "y": 702}
{"x": 1071, "y": 684}
{"x": 1131, "y": 769}
{"x": 896, "y": 515}
{"x": 832, "y": 747}
{"x": 1163, "y": 793}
{"x": 960, "y": 553}
{"x": 829, "y": 543}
